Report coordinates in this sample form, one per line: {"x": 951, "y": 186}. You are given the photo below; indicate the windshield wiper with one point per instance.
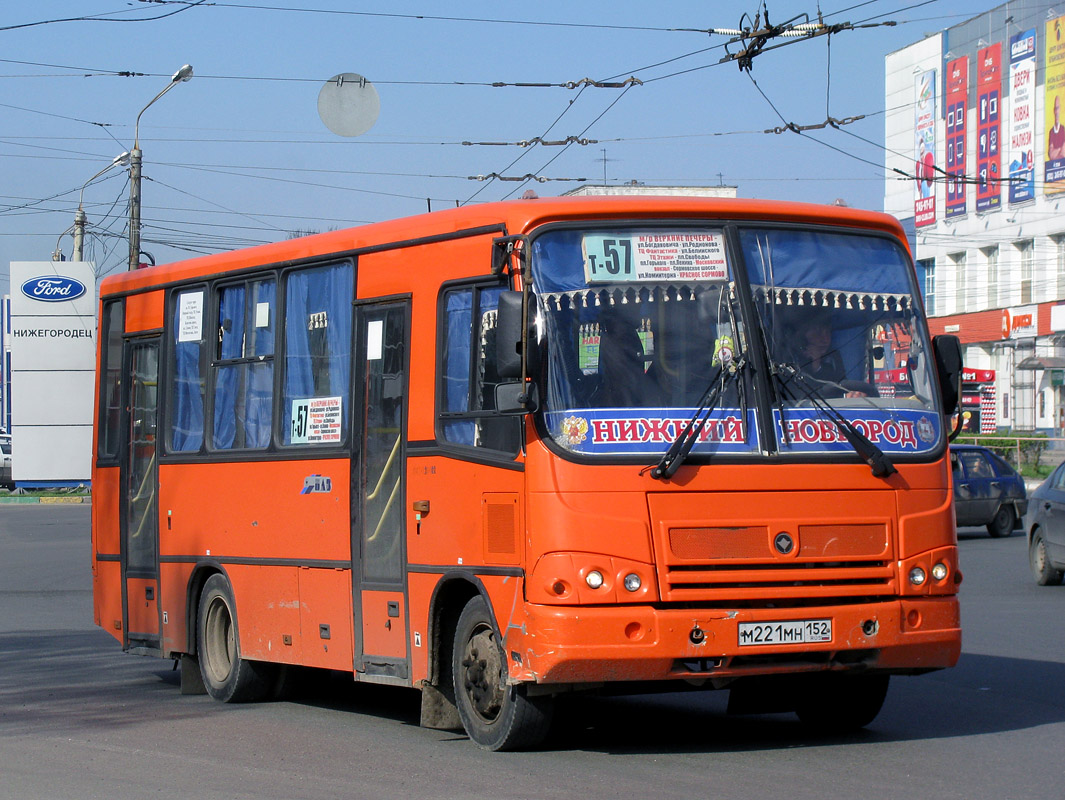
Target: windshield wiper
{"x": 682, "y": 445}
{"x": 871, "y": 454}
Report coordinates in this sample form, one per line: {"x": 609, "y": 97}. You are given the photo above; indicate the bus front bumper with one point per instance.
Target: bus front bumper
{"x": 579, "y": 645}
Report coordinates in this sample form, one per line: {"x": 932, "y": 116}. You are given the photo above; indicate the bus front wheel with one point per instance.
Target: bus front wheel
{"x": 495, "y": 715}
{"x": 839, "y": 703}
{"x": 226, "y": 676}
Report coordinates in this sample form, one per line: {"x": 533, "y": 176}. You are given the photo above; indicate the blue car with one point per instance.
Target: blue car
{"x": 987, "y": 490}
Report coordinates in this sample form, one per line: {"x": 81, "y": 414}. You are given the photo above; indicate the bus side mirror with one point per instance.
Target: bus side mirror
{"x": 516, "y": 398}
{"x": 508, "y": 335}
{"x": 947, "y": 349}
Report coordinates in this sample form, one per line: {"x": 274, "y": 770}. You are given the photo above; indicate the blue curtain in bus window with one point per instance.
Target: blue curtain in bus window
{"x": 227, "y": 378}
{"x": 852, "y": 263}
{"x": 258, "y": 409}
{"x": 186, "y": 413}
{"x": 259, "y": 377}
{"x": 457, "y": 365}
{"x": 559, "y": 261}
{"x": 317, "y": 339}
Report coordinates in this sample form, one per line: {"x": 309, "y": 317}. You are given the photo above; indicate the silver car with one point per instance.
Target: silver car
{"x": 1045, "y": 525}
{"x": 5, "y": 462}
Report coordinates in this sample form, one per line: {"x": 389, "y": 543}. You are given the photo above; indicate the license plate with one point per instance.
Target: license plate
{"x": 796, "y": 631}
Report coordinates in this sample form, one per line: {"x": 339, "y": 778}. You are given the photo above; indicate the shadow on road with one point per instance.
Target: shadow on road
{"x": 69, "y": 680}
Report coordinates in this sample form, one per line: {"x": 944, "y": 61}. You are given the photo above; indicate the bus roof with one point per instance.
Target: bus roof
{"x": 516, "y": 216}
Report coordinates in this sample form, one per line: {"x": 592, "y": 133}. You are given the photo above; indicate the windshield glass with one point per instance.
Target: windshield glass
{"x": 841, "y": 324}
{"x": 637, "y": 324}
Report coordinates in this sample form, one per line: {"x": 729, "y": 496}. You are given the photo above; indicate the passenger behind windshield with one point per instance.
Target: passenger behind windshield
{"x": 810, "y": 339}
{"x": 623, "y": 381}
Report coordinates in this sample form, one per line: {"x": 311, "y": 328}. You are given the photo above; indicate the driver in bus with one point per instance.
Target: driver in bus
{"x": 818, "y": 359}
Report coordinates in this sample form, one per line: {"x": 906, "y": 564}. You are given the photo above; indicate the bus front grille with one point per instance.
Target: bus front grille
{"x": 758, "y": 562}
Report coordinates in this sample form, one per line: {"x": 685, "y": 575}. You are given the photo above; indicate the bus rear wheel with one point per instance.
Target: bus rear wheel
{"x": 497, "y": 716}
{"x": 839, "y": 703}
{"x": 226, "y": 675}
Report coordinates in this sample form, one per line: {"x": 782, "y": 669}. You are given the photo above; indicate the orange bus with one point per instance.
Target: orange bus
{"x": 506, "y": 452}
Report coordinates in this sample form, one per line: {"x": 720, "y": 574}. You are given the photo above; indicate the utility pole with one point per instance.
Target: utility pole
{"x": 79, "y": 215}
{"x": 181, "y": 76}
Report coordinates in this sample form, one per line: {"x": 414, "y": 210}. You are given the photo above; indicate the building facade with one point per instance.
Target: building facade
{"x": 975, "y": 147}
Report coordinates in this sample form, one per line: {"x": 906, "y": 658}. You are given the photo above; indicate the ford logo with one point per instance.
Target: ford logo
{"x": 53, "y": 288}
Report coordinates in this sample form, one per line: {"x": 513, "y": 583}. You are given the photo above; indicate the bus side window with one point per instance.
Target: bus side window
{"x": 469, "y": 378}
{"x": 317, "y": 351}
{"x": 244, "y": 366}
{"x": 186, "y": 395}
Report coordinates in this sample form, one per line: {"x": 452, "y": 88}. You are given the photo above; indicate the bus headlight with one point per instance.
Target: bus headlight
{"x": 563, "y": 578}
{"x": 917, "y": 576}
{"x": 939, "y": 571}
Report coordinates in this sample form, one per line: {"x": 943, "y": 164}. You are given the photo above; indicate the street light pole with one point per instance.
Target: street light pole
{"x": 181, "y": 76}
{"x": 79, "y": 215}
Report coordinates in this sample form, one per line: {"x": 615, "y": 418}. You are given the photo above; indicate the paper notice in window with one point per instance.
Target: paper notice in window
{"x": 316, "y": 419}
{"x": 262, "y": 315}
{"x": 375, "y": 336}
{"x": 190, "y": 317}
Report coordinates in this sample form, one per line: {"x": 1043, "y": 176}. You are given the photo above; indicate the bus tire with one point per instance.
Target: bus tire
{"x": 840, "y": 703}
{"x": 495, "y": 715}
{"x": 226, "y": 676}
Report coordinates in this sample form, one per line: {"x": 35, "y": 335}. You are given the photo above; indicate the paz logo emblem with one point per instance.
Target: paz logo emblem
{"x": 783, "y": 543}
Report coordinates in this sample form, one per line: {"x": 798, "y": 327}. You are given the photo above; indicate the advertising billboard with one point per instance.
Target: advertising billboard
{"x": 988, "y": 130}
{"x": 924, "y": 204}
{"x": 957, "y": 101}
{"x": 1054, "y": 163}
{"x": 1021, "y": 152}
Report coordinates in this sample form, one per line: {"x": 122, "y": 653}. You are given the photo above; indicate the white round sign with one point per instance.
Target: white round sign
{"x": 348, "y": 104}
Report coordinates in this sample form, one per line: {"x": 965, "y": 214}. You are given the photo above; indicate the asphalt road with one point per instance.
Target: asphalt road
{"x": 80, "y": 719}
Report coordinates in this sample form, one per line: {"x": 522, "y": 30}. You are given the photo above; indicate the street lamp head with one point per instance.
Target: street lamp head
{"x": 183, "y": 75}
{"x": 121, "y": 160}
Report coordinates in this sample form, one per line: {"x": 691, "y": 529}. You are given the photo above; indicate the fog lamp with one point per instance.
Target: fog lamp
{"x": 594, "y": 579}
{"x": 632, "y": 582}
{"x": 939, "y": 571}
{"x": 917, "y": 576}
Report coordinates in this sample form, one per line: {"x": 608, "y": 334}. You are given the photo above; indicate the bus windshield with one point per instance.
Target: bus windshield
{"x": 642, "y": 329}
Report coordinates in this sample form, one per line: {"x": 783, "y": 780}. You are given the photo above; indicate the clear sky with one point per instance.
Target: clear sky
{"x": 239, "y": 156}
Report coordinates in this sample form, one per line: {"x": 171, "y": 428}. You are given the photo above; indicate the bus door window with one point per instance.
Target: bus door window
{"x": 244, "y": 369}
{"x": 114, "y": 319}
{"x": 467, "y": 401}
{"x": 384, "y": 385}
{"x": 144, "y": 398}
{"x": 315, "y": 403}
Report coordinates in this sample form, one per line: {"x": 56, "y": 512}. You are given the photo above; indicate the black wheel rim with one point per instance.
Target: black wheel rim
{"x": 482, "y": 674}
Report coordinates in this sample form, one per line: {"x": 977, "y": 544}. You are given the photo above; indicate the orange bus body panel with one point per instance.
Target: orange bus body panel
{"x": 144, "y": 312}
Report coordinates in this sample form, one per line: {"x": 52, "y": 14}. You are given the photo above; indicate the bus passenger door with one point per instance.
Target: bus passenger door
{"x": 139, "y": 517}
{"x": 378, "y": 542}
